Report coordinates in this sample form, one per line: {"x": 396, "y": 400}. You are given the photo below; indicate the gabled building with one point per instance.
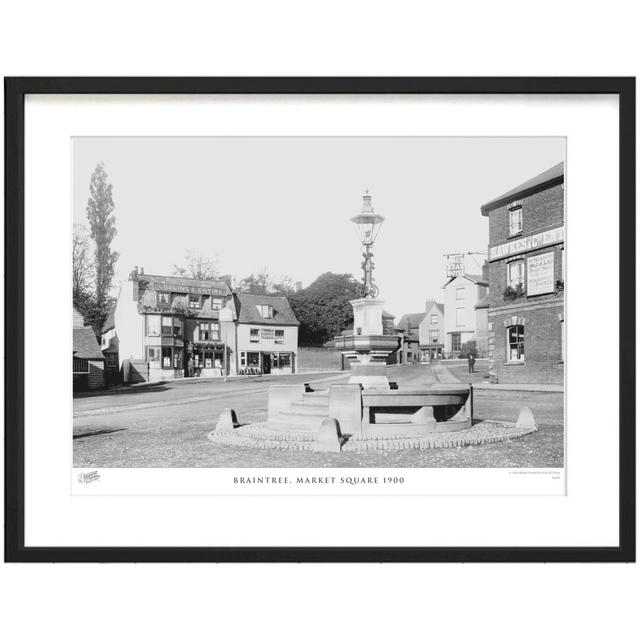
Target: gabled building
{"x": 461, "y": 295}
{"x": 266, "y": 335}
{"x": 526, "y": 276}
{"x": 88, "y": 361}
{"x": 431, "y": 331}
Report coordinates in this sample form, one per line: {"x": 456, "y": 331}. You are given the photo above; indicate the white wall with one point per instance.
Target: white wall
{"x": 245, "y": 344}
{"x": 472, "y": 294}
{"x": 129, "y": 325}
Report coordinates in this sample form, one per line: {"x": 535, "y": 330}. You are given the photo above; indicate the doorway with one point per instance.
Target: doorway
{"x": 266, "y": 363}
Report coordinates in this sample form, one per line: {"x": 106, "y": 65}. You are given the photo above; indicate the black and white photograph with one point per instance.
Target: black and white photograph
{"x": 318, "y": 302}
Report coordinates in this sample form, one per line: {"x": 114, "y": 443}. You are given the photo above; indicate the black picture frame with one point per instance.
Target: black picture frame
{"x": 15, "y": 91}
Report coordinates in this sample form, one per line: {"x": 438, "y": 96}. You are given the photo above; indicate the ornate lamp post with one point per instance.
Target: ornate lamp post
{"x": 368, "y": 223}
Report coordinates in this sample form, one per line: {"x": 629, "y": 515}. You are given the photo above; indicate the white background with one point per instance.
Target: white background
{"x": 327, "y": 39}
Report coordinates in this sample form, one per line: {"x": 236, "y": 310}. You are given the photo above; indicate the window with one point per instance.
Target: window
{"x": 163, "y": 299}
{"x": 460, "y": 317}
{"x": 280, "y": 360}
{"x": 456, "y": 342}
{"x": 153, "y": 354}
{"x": 515, "y": 221}
{"x": 253, "y": 358}
{"x": 265, "y": 310}
{"x": 166, "y": 357}
{"x": 434, "y": 336}
{"x": 243, "y": 358}
{"x": 460, "y": 293}
{"x": 111, "y": 359}
{"x": 434, "y": 319}
{"x": 279, "y": 336}
{"x": 515, "y": 273}
{"x": 153, "y": 325}
{"x": 195, "y": 302}
{"x": 216, "y": 303}
{"x": 171, "y": 327}
{"x": 208, "y": 331}
{"x": 254, "y": 335}
{"x": 515, "y": 343}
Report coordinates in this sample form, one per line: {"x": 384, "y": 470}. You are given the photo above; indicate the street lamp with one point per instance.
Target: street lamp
{"x": 368, "y": 223}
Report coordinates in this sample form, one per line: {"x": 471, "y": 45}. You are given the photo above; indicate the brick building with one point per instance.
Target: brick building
{"x": 526, "y": 280}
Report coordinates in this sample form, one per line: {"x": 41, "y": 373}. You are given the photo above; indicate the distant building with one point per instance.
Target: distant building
{"x": 431, "y": 331}
{"x": 526, "y": 275}
{"x": 409, "y": 327}
{"x": 88, "y": 361}
{"x": 461, "y": 295}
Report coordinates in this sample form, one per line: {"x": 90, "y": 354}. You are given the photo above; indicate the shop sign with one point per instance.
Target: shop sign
{"x": 267, "y": 334}
{"x": 529, "y": 243}
{"x": 183, "y": 288}
{"x": 540, "y": 274}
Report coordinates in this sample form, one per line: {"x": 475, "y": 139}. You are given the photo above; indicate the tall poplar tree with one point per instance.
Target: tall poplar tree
{"x": 102, "y": 224}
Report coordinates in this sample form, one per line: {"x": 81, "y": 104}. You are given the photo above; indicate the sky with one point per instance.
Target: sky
{"x": 285, "y": 203}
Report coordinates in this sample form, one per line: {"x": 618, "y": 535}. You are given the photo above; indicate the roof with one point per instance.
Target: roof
{"x": 483, "y": 303}
{"x": 387, "y": 314}
{"x": 544, "y": 180}
{"x": 110, "y": 322}
{"x": 412, "y": 319}
{"x": 431, "y": 304}
{"x": 85, "y": 344}
{"x": 179, "y": 281}
{"x": 247, "y": 309}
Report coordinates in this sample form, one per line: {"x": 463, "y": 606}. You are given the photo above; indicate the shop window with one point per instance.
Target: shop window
{"x": 254, "y": 335}
{"x": 434, "y": 337}
{"x": 163, "y": 299}
{"x": 265, "y": 310}
{"x": 153, "y": 354}
{"x": 515, "y": 221}
{"x": 456, "y": 342}
{"x": 515, "y": 274}
{"x": 460, "y": 293}
{"x": 166, "y": 357}
{"x": 515, "y": 343}
{"x": 460, "y": 317}
{"x": 279, "y": 336}
{"x": 253, "y": 358}
{"x": 434, "y": 317}
{"x": 243, "y": 358}
{"x": 153, "y": 326}
{"x": 216, "y": 303}
{"x": 195, "y": 302}
{"x": 281, "y": 360}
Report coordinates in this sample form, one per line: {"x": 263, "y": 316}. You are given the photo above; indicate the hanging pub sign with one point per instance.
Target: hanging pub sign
{"x": 540, "y": 274}
{"x": 455, "y": 265}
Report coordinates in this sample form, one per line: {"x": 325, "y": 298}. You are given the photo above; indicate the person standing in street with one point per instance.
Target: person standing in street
{"x": 471, "y": 359}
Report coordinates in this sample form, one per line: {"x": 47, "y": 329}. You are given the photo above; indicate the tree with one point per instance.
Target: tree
{"x": 83, "y": 275}
{"x": 257, "y": 283}
{"x": 323, "y": 308}
{"x": 467, "y": 348}
{"x": 197, "y": 267}
{"x": 102, "y": 223}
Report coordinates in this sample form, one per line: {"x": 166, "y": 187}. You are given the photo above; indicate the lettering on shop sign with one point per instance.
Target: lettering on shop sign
{"x": 522, "y": 245}
{"x": 182, "y": 288}
{"x": 267, "y": 334}
{"x": 455, "y": 265}
{"x": 540, "y": 274}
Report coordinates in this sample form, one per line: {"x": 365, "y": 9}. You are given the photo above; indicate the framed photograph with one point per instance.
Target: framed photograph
{"x": 320, "y": 319}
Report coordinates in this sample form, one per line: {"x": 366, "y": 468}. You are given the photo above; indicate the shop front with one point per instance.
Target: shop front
{"x": 266, "y": 362}
{"x": 206, "y": 360}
